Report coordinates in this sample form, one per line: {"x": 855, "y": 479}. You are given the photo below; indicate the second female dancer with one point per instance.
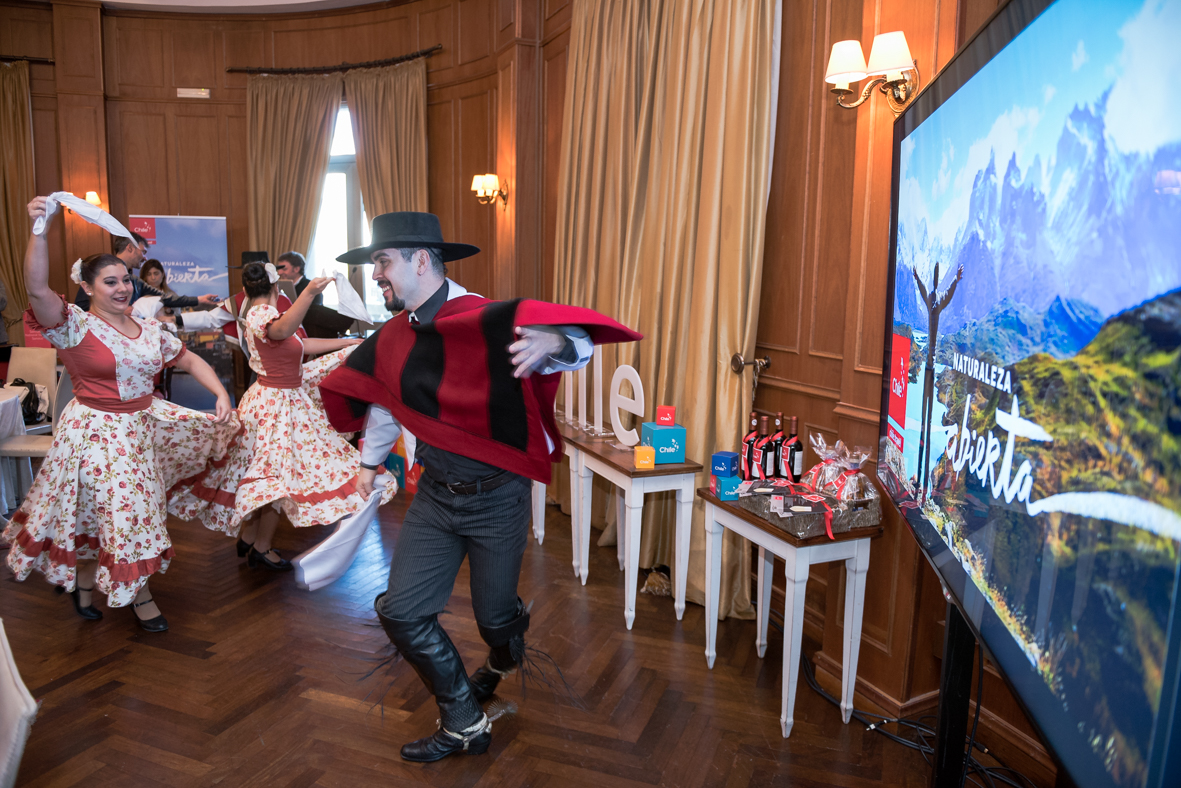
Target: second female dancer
{"x": 288, "y": 458}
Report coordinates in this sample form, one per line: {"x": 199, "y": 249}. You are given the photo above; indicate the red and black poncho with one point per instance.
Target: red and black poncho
{"x": 450, "y": 382}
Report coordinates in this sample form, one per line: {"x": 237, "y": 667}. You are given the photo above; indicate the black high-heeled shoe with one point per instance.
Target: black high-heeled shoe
{"x": 157, "y": 624}
{"x": 282, "y": 565}
{"x": 90, "y": 612}
{"x": 244, "y": 548}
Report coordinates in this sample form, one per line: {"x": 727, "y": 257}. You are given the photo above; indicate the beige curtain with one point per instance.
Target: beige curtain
{"x": 289, "y": 121}
{"x": 16, "y": 182}
{"x": 388, "y": 111}
{"x": 665, "y": 171}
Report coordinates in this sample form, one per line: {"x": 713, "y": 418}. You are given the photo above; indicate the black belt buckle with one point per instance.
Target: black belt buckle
{"x": 478, "y": 486}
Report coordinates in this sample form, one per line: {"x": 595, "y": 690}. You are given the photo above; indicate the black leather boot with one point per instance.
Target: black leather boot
{"x": 508, "y": 649}
{"x": 463, "y": 727}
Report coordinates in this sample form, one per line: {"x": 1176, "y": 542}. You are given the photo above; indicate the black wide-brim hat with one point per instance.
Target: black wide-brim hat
{"x": 408, "y": 230}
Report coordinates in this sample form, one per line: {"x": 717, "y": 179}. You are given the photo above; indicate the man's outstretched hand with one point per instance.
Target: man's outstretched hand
{"x": 534, "y": 344}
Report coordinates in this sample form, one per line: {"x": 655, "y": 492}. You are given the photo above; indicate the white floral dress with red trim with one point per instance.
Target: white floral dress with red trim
{"x": 100, "y": 491}
{"x": 289, "y": 456}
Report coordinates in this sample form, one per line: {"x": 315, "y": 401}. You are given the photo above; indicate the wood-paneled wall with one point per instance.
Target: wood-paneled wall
{"x": 822, "y": 323}
{"x": 109, "y": 104}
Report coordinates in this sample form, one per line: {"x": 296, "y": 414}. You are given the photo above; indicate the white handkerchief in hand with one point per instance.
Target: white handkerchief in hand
{"x": 90, "y": 213}
{"x": 146, "y": 308}
{"x": 328, "y": 561}
{"x": 349, "y": 303}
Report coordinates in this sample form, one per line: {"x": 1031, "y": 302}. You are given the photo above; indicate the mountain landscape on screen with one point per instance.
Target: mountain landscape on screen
{"x": 1039, "y": 228}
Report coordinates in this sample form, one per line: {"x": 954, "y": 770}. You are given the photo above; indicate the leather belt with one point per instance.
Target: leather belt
{"x": 498, "y": 479}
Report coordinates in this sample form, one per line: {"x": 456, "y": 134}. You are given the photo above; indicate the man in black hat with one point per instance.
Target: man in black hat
{"x": 472, "y": 380}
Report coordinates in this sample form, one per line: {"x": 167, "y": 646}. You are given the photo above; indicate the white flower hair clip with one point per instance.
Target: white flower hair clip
{"x": 272, "y": 274}
{"x": 76, "y": 272}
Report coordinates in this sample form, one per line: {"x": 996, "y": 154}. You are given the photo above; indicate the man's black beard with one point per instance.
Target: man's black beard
{"x": 393, "y": 303}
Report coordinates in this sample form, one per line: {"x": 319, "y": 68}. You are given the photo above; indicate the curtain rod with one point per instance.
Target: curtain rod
{"x": 14, "y": 58}
{"x": 342, "y": 67}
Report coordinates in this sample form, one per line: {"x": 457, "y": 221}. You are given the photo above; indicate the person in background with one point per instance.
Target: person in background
{"x": 291, "y": 266}
{"x": 95, "y": 516}
{"x": 321, "y": 322}
{"x": 154, "y": 275}
{"x": 289, "y": 459}
{"x": 131, "y": 254}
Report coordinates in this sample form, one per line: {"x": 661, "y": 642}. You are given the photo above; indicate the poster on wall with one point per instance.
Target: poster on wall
{"x": 192, "y": 249}
{"x": 195, "y": 257}
{"x": 1031, "y": 429}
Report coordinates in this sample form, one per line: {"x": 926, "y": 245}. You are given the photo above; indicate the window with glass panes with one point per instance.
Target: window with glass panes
{"x": 341, "y": 223}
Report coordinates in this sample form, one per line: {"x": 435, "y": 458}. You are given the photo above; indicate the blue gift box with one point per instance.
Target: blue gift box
{"x": 669, "y": 442}
{"x": 724, "y": 463}
{"x": 725, "y": 487}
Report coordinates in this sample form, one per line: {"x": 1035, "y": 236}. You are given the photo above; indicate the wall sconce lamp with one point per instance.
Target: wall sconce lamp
{"x": 890, "y": 65}
{"x": 92, "y": 198}
{"x": 487, "y": 189}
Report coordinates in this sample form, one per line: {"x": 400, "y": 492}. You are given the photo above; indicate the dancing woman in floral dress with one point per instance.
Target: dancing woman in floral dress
{"x": 95, "y": 516}
{"x": 288, "y": 458}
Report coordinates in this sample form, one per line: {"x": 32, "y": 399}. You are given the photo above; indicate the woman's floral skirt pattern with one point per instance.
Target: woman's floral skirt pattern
{"x": 288, "y": 456}
{"x": 100, "y": 494}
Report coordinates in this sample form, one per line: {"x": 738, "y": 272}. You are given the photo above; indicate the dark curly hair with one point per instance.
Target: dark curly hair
{"x": 95, "y": 263}
{"x": 255, "y": 281}
{"x": 154, "y": 265}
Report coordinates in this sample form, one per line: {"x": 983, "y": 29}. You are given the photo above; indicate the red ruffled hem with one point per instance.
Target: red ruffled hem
{"x": 196, "y": 482}
{"x": 343, "y": 491}
{"x": 198, "y": 488}
{"x": 120, "y": 571}
{"x": 57, "y": 554}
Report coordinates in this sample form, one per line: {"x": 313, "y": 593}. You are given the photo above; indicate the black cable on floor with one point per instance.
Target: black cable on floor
{"x": 924, "y": 735}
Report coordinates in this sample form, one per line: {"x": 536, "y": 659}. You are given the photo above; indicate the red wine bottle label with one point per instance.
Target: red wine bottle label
{"x": 759, "y": 463}
{"x": 787, "y": 454}
{"x": 746, "y": 458}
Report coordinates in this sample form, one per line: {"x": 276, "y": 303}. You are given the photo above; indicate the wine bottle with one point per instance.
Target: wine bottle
{"x": 748, "y": 445}
{"x": 792, "y": 454}
{"x": 759, "y": 454}
{"x": 774, "y": 448}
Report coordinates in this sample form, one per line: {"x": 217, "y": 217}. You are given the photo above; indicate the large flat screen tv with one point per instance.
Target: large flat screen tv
{"x": 1031, "y": 409}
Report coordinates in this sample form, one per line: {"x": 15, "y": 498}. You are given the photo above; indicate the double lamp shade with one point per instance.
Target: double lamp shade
{"x": 889, "y": 56}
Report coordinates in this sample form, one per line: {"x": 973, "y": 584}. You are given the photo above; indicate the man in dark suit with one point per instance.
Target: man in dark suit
{"x": 320, "y": 321}
{"x": 291, "y": 266}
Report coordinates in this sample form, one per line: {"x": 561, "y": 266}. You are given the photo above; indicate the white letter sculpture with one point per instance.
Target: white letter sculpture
{"x": 618, "y": 401}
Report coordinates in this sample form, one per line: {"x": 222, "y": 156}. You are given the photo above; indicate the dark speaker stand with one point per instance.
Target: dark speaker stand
{"x": 955, "y": 690}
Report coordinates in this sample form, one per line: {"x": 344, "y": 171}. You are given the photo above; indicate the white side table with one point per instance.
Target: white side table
{"x": 798, "y": 555}
{"x": 539, "y": 498}
{"x": 617, "y": 466}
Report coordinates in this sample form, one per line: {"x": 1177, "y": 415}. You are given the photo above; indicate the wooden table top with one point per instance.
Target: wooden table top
{"x": 622, "y": 460}
{"x": 731, "y": 507}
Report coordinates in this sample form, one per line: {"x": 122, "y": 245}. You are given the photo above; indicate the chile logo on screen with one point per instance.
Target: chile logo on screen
{"x": 145, "y": 226}
{"x": 899, "y": 382}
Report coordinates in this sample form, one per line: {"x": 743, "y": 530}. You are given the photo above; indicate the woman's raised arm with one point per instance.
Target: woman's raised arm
{"x": 47, "y": 305}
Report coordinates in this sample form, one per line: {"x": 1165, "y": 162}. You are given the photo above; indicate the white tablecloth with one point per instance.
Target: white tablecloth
{"x": 16, "y": 473}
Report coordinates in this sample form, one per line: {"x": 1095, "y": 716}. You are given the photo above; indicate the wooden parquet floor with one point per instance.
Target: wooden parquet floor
{"x": 260, "y": 684}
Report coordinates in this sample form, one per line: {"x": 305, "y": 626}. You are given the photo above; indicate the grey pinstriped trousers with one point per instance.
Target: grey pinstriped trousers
{"x": 490, "y": 528}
